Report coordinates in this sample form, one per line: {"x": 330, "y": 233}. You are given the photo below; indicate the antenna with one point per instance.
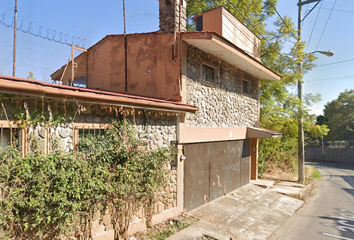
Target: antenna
{"x": 125, "y": 50}
{"x": 15, "y": 33}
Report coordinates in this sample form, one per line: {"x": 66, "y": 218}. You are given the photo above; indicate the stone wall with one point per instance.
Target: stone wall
{"x": 169, "y": 11}
{"x": 102, "y": 222}
{"x": 222, "y": 104}
{"x": 159, "y": 129}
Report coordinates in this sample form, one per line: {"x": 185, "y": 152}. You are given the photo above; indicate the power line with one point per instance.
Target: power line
{"x": 348, "y": 60}
{"x": 324, "y": 29}
{"x": 261, "y": 35}
{"x": 334, "y": 78}
{"x": 337, "y": 10}
{"x": 311, "y": 10}
{"x": 282, "y": 20}
{"x": 314, "y": 25}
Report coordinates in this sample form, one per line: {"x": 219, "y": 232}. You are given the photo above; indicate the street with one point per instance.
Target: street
{"x": 329, "y": 213}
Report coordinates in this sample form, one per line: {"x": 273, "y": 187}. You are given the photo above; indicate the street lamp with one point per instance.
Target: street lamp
{"x": 327, "y": 53}
{"x": 301, "y": 148}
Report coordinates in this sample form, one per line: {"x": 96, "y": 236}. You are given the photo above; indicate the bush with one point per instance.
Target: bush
{"x": 48, "y": 196}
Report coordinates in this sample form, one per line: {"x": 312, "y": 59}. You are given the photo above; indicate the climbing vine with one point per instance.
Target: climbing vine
{"x": 48, "y": 197}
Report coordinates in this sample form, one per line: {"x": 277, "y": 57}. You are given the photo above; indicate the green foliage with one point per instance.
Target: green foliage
{"x": 31, "y": 76}
{"x": 47, "y": 196}
{"x": 173, "y": 227}
{"x": 339, "y": 116}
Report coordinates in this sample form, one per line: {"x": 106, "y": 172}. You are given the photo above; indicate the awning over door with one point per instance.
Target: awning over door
{"x": 262, "y": 133}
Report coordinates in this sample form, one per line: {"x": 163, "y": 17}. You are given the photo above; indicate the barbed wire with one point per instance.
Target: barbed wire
{"x": 48, "y": 34}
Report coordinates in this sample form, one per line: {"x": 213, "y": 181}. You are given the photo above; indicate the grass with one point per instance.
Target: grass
{"x": 165, "y": 229}
{"x": 312, "y": 173}
{"x": 315, "y": 173}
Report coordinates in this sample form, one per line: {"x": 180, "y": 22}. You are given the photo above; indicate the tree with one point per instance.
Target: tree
{"x": 279, "y": 105}
{"x": 339, "y": 114}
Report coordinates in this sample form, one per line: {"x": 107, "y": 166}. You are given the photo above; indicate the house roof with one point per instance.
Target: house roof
{"x": 215, "y": 44}
{"x": 14, "y": 85}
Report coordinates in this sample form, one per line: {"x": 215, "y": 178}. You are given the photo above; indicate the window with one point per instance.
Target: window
{"x": 89, "y": 132}
{"x": 209, "y": 74}
{"x": 245, "y": 87}
{"x": 199, "y": 23}
{"x": 11, "y": 135}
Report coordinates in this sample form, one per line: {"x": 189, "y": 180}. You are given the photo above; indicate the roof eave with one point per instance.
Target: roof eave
{"x": 214, "y": 44}
{"x": 12, "y": 85}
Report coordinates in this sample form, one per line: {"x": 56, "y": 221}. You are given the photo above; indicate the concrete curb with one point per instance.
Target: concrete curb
{"x": 306, "y": 191}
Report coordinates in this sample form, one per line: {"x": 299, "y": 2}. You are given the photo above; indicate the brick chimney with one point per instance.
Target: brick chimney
{"x": 173, "y": 15}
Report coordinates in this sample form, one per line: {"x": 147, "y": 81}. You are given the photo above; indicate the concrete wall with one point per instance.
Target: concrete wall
{"x": 152, "y": 68}
{"x": 338, "y": 155}
{"x": 220, "y": 105}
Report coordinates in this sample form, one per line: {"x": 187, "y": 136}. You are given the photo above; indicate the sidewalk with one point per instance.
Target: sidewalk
{"x": 250, "y": 212}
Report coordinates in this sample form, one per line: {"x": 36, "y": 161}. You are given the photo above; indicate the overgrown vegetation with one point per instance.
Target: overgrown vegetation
{"x": 167, "y": 228}
{"x": 46, "y": 197}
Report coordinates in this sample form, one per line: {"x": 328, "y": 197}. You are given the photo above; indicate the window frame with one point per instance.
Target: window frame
{"x": 216, "y": 76}
{"x": 248, "y": 90}
{"x": 82, "y": 126}
{"x": 23, "y": 145}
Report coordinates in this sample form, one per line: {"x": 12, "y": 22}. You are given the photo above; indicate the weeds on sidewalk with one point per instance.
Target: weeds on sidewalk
{"x": 167, "y": 228}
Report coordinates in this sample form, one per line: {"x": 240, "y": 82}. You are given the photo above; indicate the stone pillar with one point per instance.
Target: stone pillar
{"x": 173, "y": 15}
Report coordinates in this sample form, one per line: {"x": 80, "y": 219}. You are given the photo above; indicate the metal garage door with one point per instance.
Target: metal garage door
{"x": 213, "y": 169}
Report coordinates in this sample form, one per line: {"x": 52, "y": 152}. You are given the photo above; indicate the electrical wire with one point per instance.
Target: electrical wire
{"x": 282, "y": 20}
{"x": 337, "y": 10}
{"x": 348, "y": 60}
{"x": 261, "y": 35}
{"x": 334, "y": 78}
{"x": 314, "y": 25}
{"x": 311, "y": 10}
{"x": 324, "y": 29}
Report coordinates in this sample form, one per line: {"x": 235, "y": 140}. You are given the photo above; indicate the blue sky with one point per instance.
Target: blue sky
{"x": 92, "y": 20}
{"x": 337, "y": 35}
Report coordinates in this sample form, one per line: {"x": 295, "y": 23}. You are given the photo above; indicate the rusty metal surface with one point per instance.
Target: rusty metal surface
{"x": 196, "y": 176}
{"x": 246, "y": 163}
{"x": 214, "y": 169}
{"x": 219, "y": 167}
{"x": 235, "y": 149}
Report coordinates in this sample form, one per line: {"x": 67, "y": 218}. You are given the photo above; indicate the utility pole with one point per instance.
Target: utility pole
{"x": 15, "y": 33}
{"x": 125, "y": 50}
{"x": 301, "y": 144}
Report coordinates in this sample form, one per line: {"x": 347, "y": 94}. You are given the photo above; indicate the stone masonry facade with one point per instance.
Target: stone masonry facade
{"x": 220, "y": 104}
{"x": 157, "y": 128}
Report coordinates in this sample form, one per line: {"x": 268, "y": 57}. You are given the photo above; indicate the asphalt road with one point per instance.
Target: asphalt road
{"x": 329, "y": 213}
